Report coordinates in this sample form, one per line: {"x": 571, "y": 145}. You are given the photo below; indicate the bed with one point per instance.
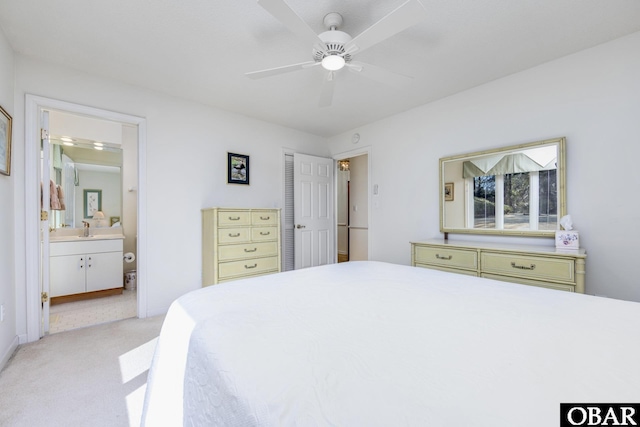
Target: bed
{"x": 378, "y": 344}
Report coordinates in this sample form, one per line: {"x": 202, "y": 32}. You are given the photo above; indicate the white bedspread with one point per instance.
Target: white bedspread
{"x": 377, "y": 344}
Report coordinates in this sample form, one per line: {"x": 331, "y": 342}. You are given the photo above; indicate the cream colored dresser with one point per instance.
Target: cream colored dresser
{"x": 529, "y": 265}
{"x": 239, "y": 243}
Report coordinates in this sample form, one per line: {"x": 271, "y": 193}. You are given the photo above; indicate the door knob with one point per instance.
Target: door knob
{"x": 301, "y": 226}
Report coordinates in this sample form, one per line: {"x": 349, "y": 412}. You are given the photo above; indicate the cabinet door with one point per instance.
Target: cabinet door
{"x": 66, "y": 275}
{"x": 104, "y": 271}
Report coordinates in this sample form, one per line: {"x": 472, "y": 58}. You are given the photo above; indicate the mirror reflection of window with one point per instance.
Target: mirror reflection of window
{"x": 548, "y": 200}
{"x": 515, "y": 201}
{"x": 484, "y": 201}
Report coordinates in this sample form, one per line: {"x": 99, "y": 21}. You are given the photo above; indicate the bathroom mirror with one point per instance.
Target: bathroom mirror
{"x": 84, "y": 166}
{"x": 517, "y": 190}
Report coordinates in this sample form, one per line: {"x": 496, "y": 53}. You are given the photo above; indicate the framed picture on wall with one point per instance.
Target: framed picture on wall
{"x": 237, "y": 169}
{"x": 5, "y": 142}
{"x": 448, "y": 192}
{"x": 92, "y": 202}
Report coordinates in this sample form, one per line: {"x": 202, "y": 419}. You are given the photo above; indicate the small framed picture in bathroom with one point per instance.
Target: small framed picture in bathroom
{"x": 237, "y": 169}
{"x": 114, "y": 220}
{"x": 92, "y": 202}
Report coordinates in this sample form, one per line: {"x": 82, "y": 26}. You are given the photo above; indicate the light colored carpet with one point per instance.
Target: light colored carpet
{"x": 92, "y": 376}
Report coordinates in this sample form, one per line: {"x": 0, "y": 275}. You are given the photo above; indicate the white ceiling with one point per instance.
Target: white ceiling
{"x": 200, "y": 49}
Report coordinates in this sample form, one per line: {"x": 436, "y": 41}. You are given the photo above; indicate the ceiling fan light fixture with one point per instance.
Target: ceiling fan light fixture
{"x": 333, "y": 62}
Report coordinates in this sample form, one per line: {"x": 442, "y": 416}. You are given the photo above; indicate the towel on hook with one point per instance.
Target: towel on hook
{"x": 54, "y": 202}
{"x": 61, "y": 198}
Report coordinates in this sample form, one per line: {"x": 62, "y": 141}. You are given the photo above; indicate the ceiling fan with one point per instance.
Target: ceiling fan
{"x": 335, "y": 49}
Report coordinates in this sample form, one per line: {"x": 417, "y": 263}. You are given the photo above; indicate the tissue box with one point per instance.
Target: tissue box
{"x": 567, "y": 239}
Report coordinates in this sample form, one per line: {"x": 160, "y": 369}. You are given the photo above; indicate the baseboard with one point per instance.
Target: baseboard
{"x": 7, "y": 354}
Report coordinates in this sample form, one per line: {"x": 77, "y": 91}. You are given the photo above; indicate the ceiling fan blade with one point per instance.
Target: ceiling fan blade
{"x": 283, "y": 13}
{"x": 406, "y": 15}
{"x": 380, "y": 75}
{"x": 326, "y": 93}
{"x": 279, "y": 70}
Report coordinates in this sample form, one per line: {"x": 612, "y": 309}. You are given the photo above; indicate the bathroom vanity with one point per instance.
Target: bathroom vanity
{"x": 83, "y": 266}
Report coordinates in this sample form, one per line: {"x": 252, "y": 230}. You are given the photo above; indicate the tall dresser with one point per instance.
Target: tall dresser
{"x": 239, "y": 243}
{"x": 528, "y": 265}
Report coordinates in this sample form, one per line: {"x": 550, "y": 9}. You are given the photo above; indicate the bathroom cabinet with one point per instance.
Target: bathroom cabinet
{"x": 86, "y": 265}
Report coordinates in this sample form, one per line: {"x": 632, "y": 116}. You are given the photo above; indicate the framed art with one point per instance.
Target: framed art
{"x": 92, "y": 202}
{"x": 237, "y": 169}
{"x": 5, "y": 142}
{"x": 448, "y": 192}
{"x": 114, "y": 220}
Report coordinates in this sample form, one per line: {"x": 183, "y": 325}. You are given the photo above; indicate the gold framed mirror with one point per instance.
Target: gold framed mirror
{"x": 518, "y": 190}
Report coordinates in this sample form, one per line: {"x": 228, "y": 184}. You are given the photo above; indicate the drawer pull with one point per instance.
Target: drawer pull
{"x": 265, "y": 233}
{"x": 444, "y": 257}
{"x": 250, "y": 266}
{"x": 265, "y": 218}
{"x": 251, "y": 250}
{"x": 234, "y": 218}
{"x": 234, "y": 235}
{"x": 523, "y": 267}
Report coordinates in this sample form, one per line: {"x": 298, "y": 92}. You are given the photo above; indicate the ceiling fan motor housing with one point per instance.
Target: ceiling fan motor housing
{"x": 334, "y": 41}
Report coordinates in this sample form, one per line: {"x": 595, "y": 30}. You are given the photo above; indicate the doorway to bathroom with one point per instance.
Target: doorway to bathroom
{"x": 87, "y": 236}
{"x": 92, "y": 220}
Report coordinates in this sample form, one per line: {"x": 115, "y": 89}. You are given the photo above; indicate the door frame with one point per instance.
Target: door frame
{"x": 360, "y": 151}
{"x": 33, "y": 105}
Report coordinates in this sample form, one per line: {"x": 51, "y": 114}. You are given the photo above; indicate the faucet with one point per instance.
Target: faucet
{"x": 86, "y": 228}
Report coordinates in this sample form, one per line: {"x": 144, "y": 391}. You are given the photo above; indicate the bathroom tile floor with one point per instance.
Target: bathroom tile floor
{"x": 79, "y": 314}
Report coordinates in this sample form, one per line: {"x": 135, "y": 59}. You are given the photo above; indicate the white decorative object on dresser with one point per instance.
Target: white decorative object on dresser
{"x": 239, "y": 243}
{"x": 547, "y": 267}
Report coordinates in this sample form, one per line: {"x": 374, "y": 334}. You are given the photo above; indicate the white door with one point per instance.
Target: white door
{"x": 44, "y": 222}
{"x": 313, "y": 211}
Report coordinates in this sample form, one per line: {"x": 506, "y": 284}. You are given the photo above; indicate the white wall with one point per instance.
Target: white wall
{"x": 129, "y": 219}
{"x": 186, "y": 168}
{"x": 8, "y": 340}
{"x": 592, "y": 98}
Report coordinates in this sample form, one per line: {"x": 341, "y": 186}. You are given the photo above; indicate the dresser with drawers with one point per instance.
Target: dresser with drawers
{"x": 239, "y": 243}
{"x": 529, "y": 265}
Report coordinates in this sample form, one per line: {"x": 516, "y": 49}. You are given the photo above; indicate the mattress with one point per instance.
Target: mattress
{"x": 377, "y": 344}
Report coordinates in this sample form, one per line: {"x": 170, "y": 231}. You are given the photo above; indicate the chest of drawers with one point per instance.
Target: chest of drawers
{"x": 239, "y": 243}
{"x": 528, "y": 265}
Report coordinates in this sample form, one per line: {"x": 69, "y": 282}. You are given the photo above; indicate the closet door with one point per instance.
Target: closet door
{"x": 313, "y": 206}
